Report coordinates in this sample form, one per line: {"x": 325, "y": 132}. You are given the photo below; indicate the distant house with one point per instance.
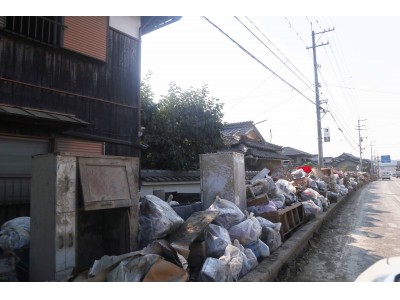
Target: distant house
{"x": 349, "y": 162}
{"x": 297, "y": 157}
{"x": 244, "y": 138}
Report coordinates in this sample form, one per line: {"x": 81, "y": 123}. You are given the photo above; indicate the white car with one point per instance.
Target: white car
{"x": 386, "y": 175}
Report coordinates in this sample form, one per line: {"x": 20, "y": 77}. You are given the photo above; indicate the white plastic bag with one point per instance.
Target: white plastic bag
{"x": 234, "y": 260}
{"x": 229, "y": 213}
{"x": 247, "y": 231}
{"x": 249, "y": 260}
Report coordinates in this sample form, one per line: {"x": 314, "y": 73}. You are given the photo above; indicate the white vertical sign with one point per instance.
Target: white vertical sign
{"x": 327, "y": 135}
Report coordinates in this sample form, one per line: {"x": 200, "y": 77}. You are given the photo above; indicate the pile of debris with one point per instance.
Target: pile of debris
{"x": 220, "y": 244}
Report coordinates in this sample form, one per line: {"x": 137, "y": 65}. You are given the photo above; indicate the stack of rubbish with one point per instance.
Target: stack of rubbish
{"x": 221, "y": 243}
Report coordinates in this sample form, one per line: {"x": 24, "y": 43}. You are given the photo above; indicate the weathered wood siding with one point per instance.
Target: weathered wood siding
{"x": 105, "y": 94}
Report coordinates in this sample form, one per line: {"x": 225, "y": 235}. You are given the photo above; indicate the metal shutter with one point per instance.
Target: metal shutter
{"x": 78, "y": 146}
{"x": 86, "y": 35}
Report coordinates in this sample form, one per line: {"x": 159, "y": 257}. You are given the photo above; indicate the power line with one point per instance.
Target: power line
{"x": 275, "y": 106}
{"x": 291, "y": 26}
{"x": 263, "y": 34}
{"x": 256, "y": 59}
{"x": 364, "y": 90}
{"x": 342, "y": 132}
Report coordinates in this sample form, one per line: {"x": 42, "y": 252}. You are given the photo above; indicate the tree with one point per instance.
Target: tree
{"x": 182, "y": 125}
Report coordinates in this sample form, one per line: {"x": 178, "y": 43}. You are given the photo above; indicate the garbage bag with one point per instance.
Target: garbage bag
{"x": 332, "y": 197}
{"x": 271, "y": 237}
{"x": 267, "y": 223}
{"x": 309, "y": 194}
{"x": 312, "y": 184}
{"x": 259, "y": 209}
{"x": 247, "y": 231}
{"x": 216, "y": 239}
{"x": 133, "y": 269}
{"x": 249, "y": 260}
{"x": 287, "y": 189}
{"x": 214, "y": 270}
{"x": 15, "y": 233}
{"x": 259, "y": 248}
{"x": 298, "y": 174}
{"x": 229, "y": 215}
{"x": 233, "y": 258}
{"x": 263, "y": 186}
{"x": 157, "y": 219}
{"x": 322, "y": 186}
{"x": 325, "y": 202}
{"x": 278, "y": 203}
{"x": 311, "y": 210}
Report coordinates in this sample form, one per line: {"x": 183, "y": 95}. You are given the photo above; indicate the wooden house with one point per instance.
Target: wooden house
{"x": 67, "y": 84}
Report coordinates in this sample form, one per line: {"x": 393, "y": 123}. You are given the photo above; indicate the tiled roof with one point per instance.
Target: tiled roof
{"x": 260, "y": 145}
{"x": 168, "y": 176}
{"x": 289, "y": 151}
{"x": 233, "y": 131}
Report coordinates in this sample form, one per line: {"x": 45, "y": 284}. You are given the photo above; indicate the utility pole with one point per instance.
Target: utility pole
{"x": 359, "y": 128}
{"x": 317, "y": 100}
{"x": 372, "y": 164}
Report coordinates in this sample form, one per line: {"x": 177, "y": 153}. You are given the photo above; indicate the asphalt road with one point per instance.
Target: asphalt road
{"x": 365, "y": 229}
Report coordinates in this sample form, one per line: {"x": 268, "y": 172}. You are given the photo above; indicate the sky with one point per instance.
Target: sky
{"x": 357, "y": 73}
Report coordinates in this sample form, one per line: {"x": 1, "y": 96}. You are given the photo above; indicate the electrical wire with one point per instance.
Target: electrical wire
{"x": 257, "y": 60}
{"x": 263, "y": 34}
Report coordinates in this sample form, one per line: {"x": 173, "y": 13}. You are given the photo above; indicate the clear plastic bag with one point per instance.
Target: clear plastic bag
{"x": 216, "y": 239}
{"x": 15, "y": 233}
{"x": 311, "y": 210}
{"x": 133, "y": 269}
{"x": 287, "y": 190}
{"x": 259, "y": 209}
{"x": 271, "y": 237}
{"x": 234, "y": 260}
{"x": 259, "y": 248}
{"x": 249, "y": 260}
{"x": 247, "y": 231}
{"x": 157, "y": 218}
{"x": 267, "y": 223}
{"x": 214, "y": 270}
{"x": 309, "y": 194}
{"x": 229, "y": 213}
{"x": 264, "y": 186}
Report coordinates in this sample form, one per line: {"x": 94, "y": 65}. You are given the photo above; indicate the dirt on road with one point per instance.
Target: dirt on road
{"x": 356, "y": 236}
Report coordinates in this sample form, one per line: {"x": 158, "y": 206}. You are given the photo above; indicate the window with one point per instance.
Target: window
{"x": 43, "y": 29}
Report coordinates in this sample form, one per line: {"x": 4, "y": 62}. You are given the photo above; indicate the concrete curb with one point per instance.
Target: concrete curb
{"x": 268, "y": 269}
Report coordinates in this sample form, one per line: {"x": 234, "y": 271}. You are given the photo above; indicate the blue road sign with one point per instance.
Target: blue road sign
{"x": 385, "y": 159}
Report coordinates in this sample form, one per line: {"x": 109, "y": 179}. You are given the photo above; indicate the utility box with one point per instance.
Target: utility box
{"x": 82, "y": 207}
{"x": 223, "y": 174}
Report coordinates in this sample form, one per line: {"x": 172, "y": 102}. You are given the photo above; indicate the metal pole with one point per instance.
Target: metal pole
{"x": 359, "y": 138}
{"x": 317, "y": 104}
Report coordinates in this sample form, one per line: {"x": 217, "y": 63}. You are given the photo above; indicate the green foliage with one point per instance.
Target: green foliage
{"x": 182, "y": 125}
